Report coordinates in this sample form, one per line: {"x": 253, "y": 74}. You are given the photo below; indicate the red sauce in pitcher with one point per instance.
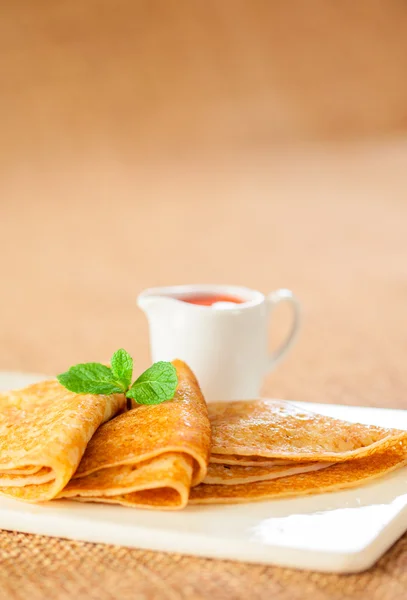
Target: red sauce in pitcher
{"x": 209, "y": 299}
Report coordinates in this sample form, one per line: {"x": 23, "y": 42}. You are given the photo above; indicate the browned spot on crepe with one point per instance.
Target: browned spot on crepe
{"x": 280, "y": 430}
{"x": 151, "y": 455}
{"x": 44, "y": 430}
{"x": 338, "y": 476}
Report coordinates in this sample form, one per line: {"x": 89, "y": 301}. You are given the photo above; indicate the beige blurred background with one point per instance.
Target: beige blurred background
{"x": 257, "y": 143}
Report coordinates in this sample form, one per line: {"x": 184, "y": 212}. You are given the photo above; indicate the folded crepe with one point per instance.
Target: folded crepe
{"x": 248, "y": 432}
{"x": 149, "y": 456}
{"x": 44, "y": 430}
{"x": 267, "y": 449}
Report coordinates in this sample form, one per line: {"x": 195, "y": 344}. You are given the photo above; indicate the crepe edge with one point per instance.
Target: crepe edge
{"x": 295, "y": 493}
{"x": 377, "y": 447}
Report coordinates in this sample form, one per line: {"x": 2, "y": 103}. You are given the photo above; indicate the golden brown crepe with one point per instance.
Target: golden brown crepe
{"x": 259, "y": 429}
{"x": 266, "y": 449}
{"x": 149, "y": 456}
{"x": 338, "y": 476}
{"x": 44, "y": 430}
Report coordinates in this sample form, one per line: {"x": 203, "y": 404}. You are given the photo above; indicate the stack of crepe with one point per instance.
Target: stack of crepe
{"x": 56, "y": 444}
{"x": 271, "y": 449}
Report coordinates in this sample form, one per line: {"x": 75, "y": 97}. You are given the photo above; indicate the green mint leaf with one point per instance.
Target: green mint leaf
{"x": 155, "y": 385}
{"x": 90, "y": 378}
{"x": 122, "y": 367}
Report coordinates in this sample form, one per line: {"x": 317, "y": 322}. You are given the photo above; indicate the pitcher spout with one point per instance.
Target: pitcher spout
{"x": 148, "y": 302}
{"x": 154, "y": 300}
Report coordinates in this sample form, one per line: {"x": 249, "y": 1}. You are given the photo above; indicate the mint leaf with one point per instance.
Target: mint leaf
{"x": 155, "y": 385}
{"x": 122, "y": 367}
{"x": 91, "y": 378}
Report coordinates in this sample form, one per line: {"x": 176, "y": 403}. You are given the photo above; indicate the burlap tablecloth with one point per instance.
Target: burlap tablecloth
{"x": 37, "y": 567}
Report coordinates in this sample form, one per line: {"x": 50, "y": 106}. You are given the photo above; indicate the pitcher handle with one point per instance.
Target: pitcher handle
{"x": 273, "y": 299}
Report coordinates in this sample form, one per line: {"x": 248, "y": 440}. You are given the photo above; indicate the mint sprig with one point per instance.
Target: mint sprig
{"x": 157, "y": 384}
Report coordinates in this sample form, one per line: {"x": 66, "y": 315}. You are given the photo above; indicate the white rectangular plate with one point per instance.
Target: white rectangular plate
{"x": 340, "y": 532}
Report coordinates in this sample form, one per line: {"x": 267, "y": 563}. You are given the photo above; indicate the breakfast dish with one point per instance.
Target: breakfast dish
{"x": 261, "y": 509}
{"x": 167, "y": 450}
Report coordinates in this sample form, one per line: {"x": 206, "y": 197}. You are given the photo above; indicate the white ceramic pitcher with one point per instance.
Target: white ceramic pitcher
{"x": 226, "y": 344}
